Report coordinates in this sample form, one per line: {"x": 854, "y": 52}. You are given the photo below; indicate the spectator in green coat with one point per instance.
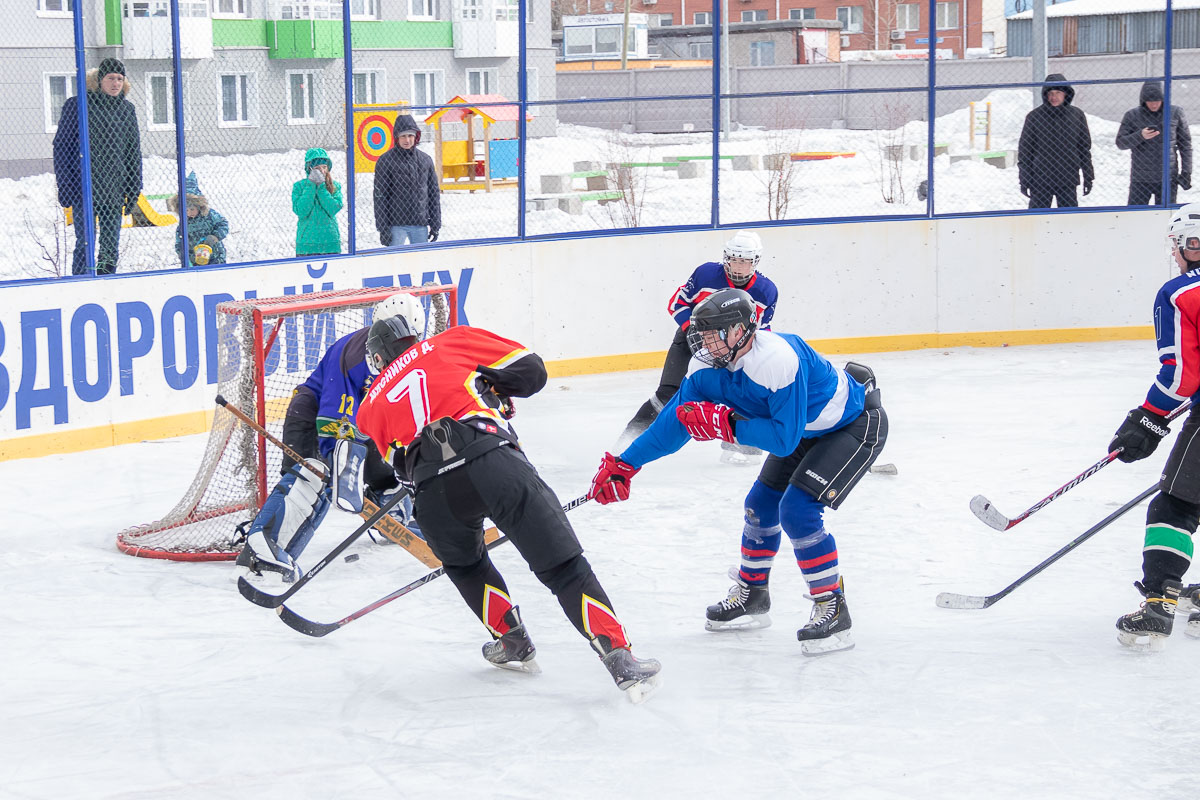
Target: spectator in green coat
{"x": 316, "y": 200}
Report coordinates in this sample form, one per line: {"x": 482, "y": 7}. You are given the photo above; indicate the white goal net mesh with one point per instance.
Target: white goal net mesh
{"x": 265, "y": 349}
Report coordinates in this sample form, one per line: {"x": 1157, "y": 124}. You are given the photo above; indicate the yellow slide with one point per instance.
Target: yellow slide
{"x": 143, "y": 215}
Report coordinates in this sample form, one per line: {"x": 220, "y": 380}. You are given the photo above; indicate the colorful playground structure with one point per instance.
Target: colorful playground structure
{"x": 476, "y": 163}
{"x": 142, "y": 215}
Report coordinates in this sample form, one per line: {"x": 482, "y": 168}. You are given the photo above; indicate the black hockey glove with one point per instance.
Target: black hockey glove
{"x": 1139, "y": 435}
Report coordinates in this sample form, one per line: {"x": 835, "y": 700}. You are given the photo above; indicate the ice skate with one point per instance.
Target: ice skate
{"x": 636, "y": 677}
{"x": 744, "y": 609}
{"x": 828, "y": 628}
{"x": 740, "y": 454}
{"x": 514, "y": 650}
{"x": 266, "y": 562}
{"x": 1147, "y": 628}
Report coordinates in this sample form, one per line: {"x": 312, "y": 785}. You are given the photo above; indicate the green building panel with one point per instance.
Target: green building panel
{"x": 303, "y": 38}
{"x": 239, "y": 32}
{"x": 396, "y": 35}
{"x": 112, "y": 23}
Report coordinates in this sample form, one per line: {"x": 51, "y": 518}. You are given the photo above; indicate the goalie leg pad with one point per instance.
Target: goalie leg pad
{"x": 294, "y": 510}
{"x": 349, "y": 458}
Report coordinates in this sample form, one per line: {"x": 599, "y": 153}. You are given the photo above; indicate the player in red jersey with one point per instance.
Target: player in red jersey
{"x": 439, "y": 413}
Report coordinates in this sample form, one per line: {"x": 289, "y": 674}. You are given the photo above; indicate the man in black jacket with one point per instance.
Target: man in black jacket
{"x": 408, "y": 203}
{"x": 1055, "y": 148}
{"x": 1141, "y": 133}
{"x": 115, "y": 148}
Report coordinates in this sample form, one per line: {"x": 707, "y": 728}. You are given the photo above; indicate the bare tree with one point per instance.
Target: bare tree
{"x": 782, "y": 140}
{"x": 52, "y": 243}
{"x": 626, "y": 179}
{"x": 891, "y": 140}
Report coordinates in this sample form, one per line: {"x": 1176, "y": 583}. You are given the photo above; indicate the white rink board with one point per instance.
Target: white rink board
{"x": 75, "y": 354}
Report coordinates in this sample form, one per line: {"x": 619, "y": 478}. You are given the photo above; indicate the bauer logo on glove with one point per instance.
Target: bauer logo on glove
{"x": 705, "y": 421}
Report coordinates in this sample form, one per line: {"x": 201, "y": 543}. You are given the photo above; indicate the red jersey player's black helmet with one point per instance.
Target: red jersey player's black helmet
{"x": 387, "y": 340}
{"x": 721, "y": 311}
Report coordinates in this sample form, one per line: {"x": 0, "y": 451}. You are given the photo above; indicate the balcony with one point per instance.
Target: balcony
{"x": 486, "y": 28}
{"x": 146, "y": 29}
{"x": 305, "y": 29}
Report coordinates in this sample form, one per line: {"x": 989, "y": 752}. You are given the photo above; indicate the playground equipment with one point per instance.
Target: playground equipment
{"x": 981, "y": 124}
{"x": 822, "y": 156}
{"x": 475, "y": 163}
{"x": 373, "y": 124}
{"x": 142, "y": 215}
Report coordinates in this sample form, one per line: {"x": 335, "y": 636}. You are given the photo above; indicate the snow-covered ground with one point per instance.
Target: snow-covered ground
{"x": 254, "y": 191}
{"x": 131, "y": 678}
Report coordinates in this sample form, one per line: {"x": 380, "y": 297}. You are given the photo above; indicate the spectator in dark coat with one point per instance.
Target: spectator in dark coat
{"x": 408, "y": 203}
{"x": 1056, "y": 147}
{"x": 116, "y": 154}
{"x": 1141, "y": 134}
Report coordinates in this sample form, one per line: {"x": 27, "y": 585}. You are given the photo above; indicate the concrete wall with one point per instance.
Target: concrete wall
{"x": 84, "y": 360}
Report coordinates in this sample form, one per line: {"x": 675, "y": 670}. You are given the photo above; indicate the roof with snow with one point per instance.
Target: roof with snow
{"x": 464, "y": 105}
{"x": 1092, "y": 8}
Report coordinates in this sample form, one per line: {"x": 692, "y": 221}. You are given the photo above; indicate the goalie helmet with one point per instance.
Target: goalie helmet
{"x": 403, "y": 304}
{"x": 741, "y": 256}
{"x": 718, "y": 315}
{"x": 387, "y": 340}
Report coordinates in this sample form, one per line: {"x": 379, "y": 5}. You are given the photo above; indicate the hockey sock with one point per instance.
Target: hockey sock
{"x": 1168, "y": 549}
{"x": 585, "y": 603}
{"x": 816, "y": 551}
{"x": 761, "y": 534}
{"x": 486, "y": 593}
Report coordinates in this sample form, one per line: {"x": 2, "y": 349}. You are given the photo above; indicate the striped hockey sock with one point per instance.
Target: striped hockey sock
{"x": 759, "y": 546}
{"x": 817, "y": 556}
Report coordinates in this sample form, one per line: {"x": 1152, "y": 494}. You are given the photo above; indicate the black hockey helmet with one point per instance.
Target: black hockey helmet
{"x": 722, "y": 311}
{"x": 387, "y": 340}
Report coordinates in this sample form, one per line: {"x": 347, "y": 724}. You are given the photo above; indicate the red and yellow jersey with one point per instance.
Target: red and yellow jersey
{"x": 436, "y": 378}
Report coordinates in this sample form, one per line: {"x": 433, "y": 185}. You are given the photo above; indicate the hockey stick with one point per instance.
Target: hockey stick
{"x": 268, "y": 600}
{"x": 310, "y": 628}
{"x": 387, "y": 525}
{"x": 983, "y": 508}
{"x": 952, "y": 600}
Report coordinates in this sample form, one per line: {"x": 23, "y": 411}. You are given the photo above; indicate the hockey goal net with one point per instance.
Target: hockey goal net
{"x": 265, "y": 349}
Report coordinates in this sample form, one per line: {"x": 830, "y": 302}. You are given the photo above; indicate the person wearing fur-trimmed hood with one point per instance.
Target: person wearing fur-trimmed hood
{"x": 206, "y": 227}
{"x": 115, "y": 149}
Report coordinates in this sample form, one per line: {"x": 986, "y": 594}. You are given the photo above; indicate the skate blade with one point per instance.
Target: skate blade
{"x": 827, "y": 645}
{"x": 749, "y": 622}
{"x": 1142, "y": 642}
{"x": 529, "y": 667}
{"x": 1193, "y": 629}
{"x": 1186, "y": 606}
{"x": 638, "y": 692}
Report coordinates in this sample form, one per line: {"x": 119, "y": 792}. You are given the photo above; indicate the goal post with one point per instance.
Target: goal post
{"x": 265, "y": 348}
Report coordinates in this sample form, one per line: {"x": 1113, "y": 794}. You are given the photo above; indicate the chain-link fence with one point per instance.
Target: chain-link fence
{"x": 317, "y": 127}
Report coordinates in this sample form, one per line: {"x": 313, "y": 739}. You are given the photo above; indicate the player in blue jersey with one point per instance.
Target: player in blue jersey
{"x": 1174, "y": 513}
{"x": 321, "y": 413}
{"x": 822, "y": 427}
{"x": 738, "y": 269}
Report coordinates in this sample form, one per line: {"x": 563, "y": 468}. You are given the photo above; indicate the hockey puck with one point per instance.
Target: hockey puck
{"x": 352, "y": 558}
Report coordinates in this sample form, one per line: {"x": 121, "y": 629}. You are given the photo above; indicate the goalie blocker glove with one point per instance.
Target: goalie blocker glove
{"x": 1139, "y": 434}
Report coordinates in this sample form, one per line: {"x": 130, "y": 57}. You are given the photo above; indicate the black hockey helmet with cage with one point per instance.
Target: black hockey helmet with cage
{"x": 387, "y": 340}
{"x": 722, "y": 311}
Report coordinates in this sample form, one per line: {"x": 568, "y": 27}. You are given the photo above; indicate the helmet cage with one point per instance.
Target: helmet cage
{"x": 722, "y": 355}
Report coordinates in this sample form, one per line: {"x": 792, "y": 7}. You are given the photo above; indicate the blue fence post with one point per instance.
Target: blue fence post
{"x": 931, "y": 100}
{"x": 1167, "y": 185}
{"x": 185, "y": 253}
{"x": 718, "y": 22}
{"x": 85, "y": 150}
{"x": 348, "y": 55}
{"x": 522, "y": 107}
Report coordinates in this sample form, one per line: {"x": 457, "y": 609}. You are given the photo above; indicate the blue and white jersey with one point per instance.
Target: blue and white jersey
{"x": 710, "y": 277}
{"x": 339, "y": 383}
{"x": 785, "y": 390}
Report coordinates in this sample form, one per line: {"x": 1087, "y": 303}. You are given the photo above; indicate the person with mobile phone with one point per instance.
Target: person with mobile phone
{"x": 1141, "y": 133}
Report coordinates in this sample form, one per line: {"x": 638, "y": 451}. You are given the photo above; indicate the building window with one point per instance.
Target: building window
{"x": 851, "y": 18}
{"x": 908, "y": 17}
{"x": 481, "y": 81}
{"x": 228, "y": 8}
{"x": 702, "y": 18}
{"x": 471, "y": 9}
{"x": 532, "y": 92}
{"x": 364, "y": 9}
{"x": 508, "y": 11}
{"x": 762, "y": 54}
{"x": 54, "y": 8}
{"x": 701, "y": 48}
{"x": 802, "y": 13}
{"x": 427, "y": 89}
{"x": 759, "y": 15}
{"x": 662, "y": 20}
{"x": 237, "y": 101}
{"x": 596, "y": 40}
{"x": 422, "y": 9}
{"x": 369, "y": 86}
{"x": 303, "y": 96}
{"x": 160, "y": 101}
{"x": 55, "y": 91}
{"x": 146, "y": 8}
{"x": 947, "y": 15}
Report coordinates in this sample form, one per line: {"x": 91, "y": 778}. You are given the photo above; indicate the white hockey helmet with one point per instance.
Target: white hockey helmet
{"x": 746, "y": 247}
{"x": 1185, "y": 226}
{"x": 403, "y": 304}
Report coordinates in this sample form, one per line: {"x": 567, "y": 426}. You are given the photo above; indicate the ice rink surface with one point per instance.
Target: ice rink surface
{"x": 134, "y": 678}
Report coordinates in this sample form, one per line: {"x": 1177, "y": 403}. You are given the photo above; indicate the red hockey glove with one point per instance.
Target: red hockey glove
{"x": 611, "y": 484}
{"x": 705, "y": 421}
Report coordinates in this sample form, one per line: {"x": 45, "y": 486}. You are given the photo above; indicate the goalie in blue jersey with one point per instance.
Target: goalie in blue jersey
{"x": 320, "y": 426}
{"x": 823, "y": 427}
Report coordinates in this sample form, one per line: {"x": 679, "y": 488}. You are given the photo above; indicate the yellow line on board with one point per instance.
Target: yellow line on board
{"x": 74, "y": 441}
